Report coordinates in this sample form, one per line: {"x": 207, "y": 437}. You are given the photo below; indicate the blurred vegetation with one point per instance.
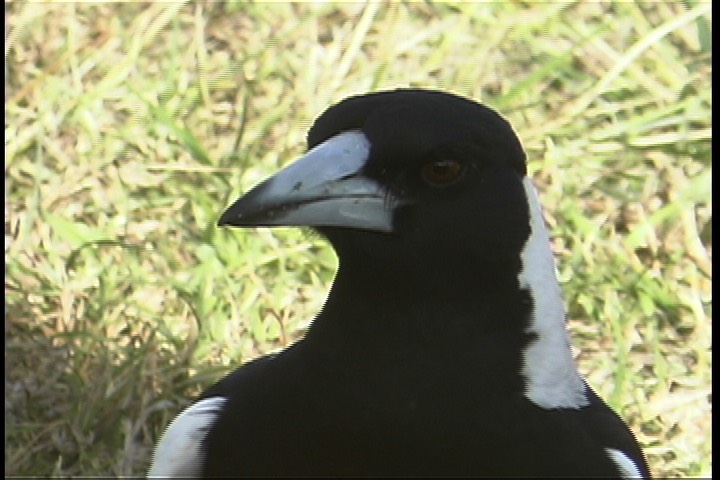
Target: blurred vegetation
{"x": 130, "y": 126}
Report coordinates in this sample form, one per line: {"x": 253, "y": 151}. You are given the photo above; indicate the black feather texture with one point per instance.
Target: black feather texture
{"x": 420, "y": 362}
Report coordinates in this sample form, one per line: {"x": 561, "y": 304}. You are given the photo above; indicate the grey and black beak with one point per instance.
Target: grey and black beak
{"x": 323, "y": 188}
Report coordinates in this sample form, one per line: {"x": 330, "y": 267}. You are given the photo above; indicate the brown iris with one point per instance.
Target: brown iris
{"x": 441, "y": 172}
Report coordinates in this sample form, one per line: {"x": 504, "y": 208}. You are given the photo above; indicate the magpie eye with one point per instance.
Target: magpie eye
{"x": 441, "y": 172}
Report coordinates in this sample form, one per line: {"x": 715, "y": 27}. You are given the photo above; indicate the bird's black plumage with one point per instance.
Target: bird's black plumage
{"x": 439, "y": 351}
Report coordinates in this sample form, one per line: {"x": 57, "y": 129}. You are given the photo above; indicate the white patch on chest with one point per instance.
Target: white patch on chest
{"x": 551, "y": 378}
{"x": 179, "y": 453}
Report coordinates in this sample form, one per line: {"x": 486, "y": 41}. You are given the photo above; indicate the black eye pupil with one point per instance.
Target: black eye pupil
{"x": 441, "y": 172}
{"x": 441, "y": 168}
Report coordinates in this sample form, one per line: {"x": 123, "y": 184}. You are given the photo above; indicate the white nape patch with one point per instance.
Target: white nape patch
{"x": 627, "y": 467}
{"x": 552, "y": 380}
{"x": 178, "y": 454}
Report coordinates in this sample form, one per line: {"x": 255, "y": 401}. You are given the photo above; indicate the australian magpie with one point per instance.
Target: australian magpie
{"x": 441, "y": 349}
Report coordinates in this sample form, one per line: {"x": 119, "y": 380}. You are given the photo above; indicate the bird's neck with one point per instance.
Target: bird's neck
{"x": 493, "y": 317}
{"x": 405, "y": 302}
{"x": 385, "y": 320}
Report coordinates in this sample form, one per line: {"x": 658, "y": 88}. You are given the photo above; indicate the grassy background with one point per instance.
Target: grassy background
{"x": 129, "y": 127}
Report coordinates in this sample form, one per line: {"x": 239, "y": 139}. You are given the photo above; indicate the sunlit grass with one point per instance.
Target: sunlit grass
{"x": 129, "y": 127}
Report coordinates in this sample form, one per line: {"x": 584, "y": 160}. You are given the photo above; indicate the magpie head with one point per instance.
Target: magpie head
{"x": 407, "y": 179}
{"x": 424, "y": 197}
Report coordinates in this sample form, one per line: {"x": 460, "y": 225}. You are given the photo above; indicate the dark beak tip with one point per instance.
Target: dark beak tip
{"x": 225, "y": 219}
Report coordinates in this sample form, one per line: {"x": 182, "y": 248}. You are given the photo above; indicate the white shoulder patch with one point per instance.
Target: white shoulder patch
{"x": 627, "y": 467}
{"x": 552, "y": 380}
{"x": 178, "y": 453}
